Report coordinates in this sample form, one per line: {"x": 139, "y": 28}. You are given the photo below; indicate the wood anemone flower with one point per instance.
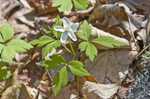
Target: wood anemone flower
{"x": 67, "y": 29}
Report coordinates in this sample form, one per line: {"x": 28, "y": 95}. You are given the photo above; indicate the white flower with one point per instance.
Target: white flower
{"x": 67, "y": 29}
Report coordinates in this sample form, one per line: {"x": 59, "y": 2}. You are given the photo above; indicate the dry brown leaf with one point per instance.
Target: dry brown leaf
{"x": 104, "y": 91}
{"x": 107, "y": 65}
{"x": 17, "y": 91}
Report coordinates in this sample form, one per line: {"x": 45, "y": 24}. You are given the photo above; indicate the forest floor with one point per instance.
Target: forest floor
{"x": 114, "y": 70}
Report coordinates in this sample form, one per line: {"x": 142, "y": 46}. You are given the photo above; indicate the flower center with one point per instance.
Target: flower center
{"x": 67, "y": 28}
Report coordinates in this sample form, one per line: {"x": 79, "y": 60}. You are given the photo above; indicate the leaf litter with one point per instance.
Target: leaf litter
{"x": 123, "y": 20}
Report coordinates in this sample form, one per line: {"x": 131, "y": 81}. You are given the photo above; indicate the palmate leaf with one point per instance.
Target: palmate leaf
{"x": 107, "y": 42}
{"x": 84, "y": 31}
{"x": 77, "y": 69}
{"x": 64, "y": 5}
{"x": 55, "y": 61}
{"x": 14, "y": 46}
{"x": 9, "y": 49}
{"x": 6, "y": 32}
{"x": 60, "y": 80}
{"x": 48, "y": 42}
{"x": 89, "y": 48}
{"x": 81, "y": 4}
{"x": 61, "y": 77}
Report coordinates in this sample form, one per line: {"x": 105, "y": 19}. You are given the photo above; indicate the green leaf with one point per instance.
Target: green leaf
{"x": 6, "y": 32}
{"x": 1, "y": 47}
{"x": 9, "y": 50}
{"x": 57, "y": 83}
{"x": 81, "y": 4}
{"x": 55, "y": 79}
{"x": 42, "y": 41}
{"x": 60, "y": 80}
{"x": 77, "y": 69}
{"x": 55, "y": 61}
{"x": 19, "y": 45}
{"x": 83, "y": 46}
{"x": 64, "y": 74}
{"x": 89, "y": 48}
{"x": 49, "y": 47}
{"x": 4, "y": 74}
{"x": 84, "y": 31}
{"x": 8, "y": 53}
{"x": 107, "y": 42}
{"x": 64, "y": 5}
{"x": 14, "y": 46}
{"x": 91, "y": 51}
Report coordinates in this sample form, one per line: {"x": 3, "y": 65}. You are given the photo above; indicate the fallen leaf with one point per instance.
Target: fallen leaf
{"x": 104, "y": 91}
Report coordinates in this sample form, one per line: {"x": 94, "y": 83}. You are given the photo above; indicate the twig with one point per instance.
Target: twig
{"x": 148, "y": 30}
{"x": 45, "y": 20}
{"x": 72, "y": 13}
{"x": 143, "y": 50}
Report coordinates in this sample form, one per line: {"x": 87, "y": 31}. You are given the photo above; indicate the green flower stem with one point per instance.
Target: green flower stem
{"x": 72, "y": 49}
{"x": 66, "y": 48}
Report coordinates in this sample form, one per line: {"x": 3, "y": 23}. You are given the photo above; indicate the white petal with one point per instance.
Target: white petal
{"x": 66, "y": 22}
{"x": 64, "y": 37}
{"x": 75, "y": 26}
{"x": 59, "y": 28}
{"x": 72, "y": 35}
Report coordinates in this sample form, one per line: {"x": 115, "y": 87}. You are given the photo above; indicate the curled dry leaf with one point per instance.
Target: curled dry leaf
{"x": 140, "y": 7}
{"x": 25, "y": 4}
{"x": 116, "y": 19}
{"x": 25, "y": 16}
{"x": 104, "y": 91}
{"x": 8, "y": 7}
{"x": 20, "y": 22}
{"x": 109, "y": 17}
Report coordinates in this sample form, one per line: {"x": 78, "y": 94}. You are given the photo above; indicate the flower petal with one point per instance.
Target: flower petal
{"x": 75, "y": 26}
{"x": 66, "y": 22}
{"x": 72, "y": 35}
{"x": 64, "y": 37}
{"x": 59, "y": 28}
